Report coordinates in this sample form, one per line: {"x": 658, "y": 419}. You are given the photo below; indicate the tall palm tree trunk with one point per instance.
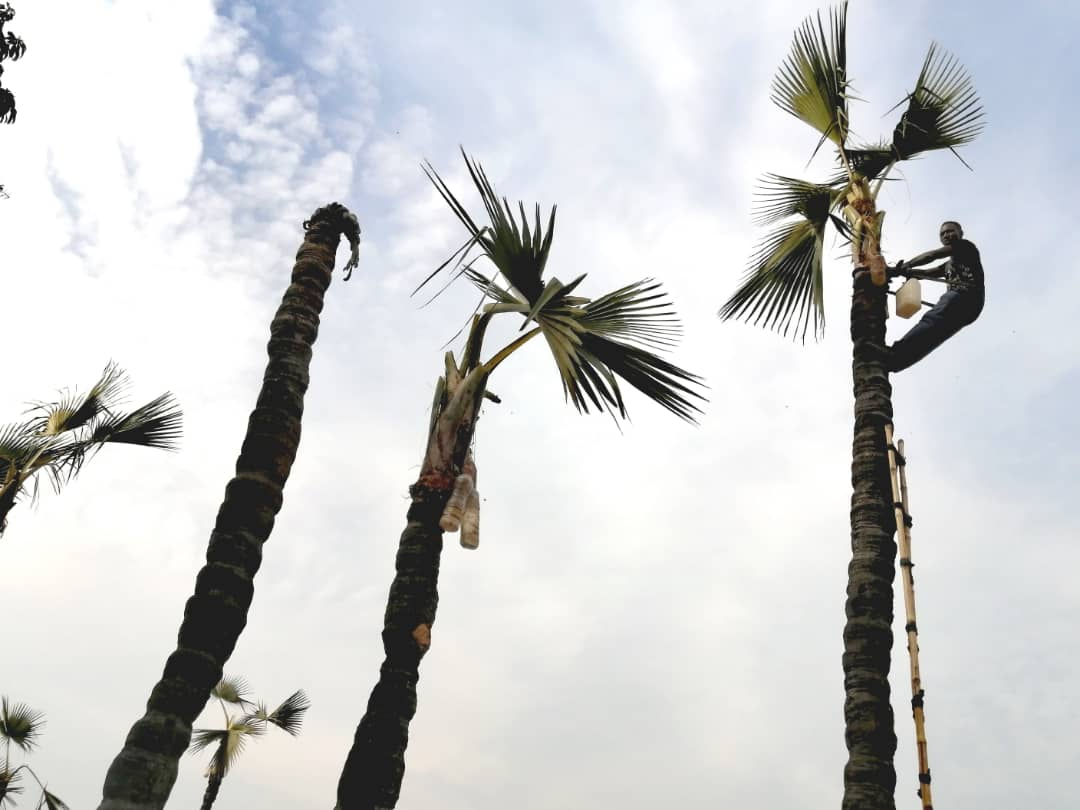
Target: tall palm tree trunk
{"x": 212, "y": 788}
{"x": 869, "y": 776}
{"x": 375, "y": 766}
{"x": 142, "y": 775}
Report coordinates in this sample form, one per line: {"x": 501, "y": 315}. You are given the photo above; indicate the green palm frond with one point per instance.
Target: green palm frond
{"x": 156, "y": 424}
{"x": 9, "y": 784}
{"x": 596, "y": 342}
{"x": 52, "y": 801}
{"x": 233, "y": 690}
{"x": 20, "y": 724}
{"x": 812, "y": 83}
{"x": 637, "y": 313}
{"x": 781, "y": 197}
{"x": 288, "y": 716}
{"x": 783, "y": 283}
{"x": 74, "y": 410}
{"x": 943, "y": 111}
{"x": 518, "y": 252}
{"x": 504, "y": 297}
{"x": 868, "y": 161}
{"x": 18, "y": 446}
{"x": 230, "y": 743}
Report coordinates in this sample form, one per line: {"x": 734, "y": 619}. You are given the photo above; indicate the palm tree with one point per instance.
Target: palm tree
{"x": 13, "y": 48}
{"x": 21, "y": 725}
{"x": 60, "y": 436}
{"x": 230, "y": 741}
{"x": 783, "y": 288}
{"x": 593, "y": 342}
{"x": 143, "y": 773}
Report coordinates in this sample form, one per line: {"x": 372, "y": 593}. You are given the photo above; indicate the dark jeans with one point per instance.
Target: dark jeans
{"x": 953, "y": 311}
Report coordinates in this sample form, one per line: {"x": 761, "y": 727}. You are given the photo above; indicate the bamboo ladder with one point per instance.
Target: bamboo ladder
{"x": 897, "y": 464}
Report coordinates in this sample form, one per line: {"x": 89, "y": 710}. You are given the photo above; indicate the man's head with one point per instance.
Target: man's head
{"x": 950, "y": 232}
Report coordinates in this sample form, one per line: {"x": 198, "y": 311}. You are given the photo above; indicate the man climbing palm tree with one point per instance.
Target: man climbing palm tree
{"x": 958, "y": 307}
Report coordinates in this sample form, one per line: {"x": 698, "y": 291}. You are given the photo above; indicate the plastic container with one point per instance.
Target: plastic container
{"x": 909, "y": 298}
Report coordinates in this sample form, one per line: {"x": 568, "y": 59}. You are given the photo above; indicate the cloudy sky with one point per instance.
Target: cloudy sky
{"x": 654, "y": 616}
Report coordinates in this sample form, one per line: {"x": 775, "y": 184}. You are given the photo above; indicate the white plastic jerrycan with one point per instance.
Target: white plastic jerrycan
{"x": 909, "y": 298}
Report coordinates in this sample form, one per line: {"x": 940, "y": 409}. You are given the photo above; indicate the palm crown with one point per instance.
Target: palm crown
{"x": 60, "y": 436}
{"x": 782, "y": 287}
{"x": 593, "y": 341}
{"x": 21, "y": 726}
{"x": 230, "y": 741}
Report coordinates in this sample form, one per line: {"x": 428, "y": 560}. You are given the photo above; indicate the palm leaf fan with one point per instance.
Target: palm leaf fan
{"x": 74, "y": 411}
{"x": 20, "y": 724}
{"x": 518, "y": 252}
{"x": 233, "y": 690}
{"x": 867, "y": 161}
{"x": 288, "y": 716}
{"x": 783, "y": 283}
{"x": 780, "y": 197}
{"x": 812, "y": 83}
{"x": 156, "y": 424}
{"x": 943, "y": 110}
{"x": 52, "y": 801}
{"x": 596, "y": 342}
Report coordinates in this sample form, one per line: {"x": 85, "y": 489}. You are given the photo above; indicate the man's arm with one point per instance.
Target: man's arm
{"x": 932, "y": 273}
{"x": 904, "y": 268}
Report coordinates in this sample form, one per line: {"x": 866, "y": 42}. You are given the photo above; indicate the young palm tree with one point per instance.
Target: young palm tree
{"x": 230, "y": 741}
{"x": 783, "y": 287}
{"x": 60, "y": 436}
{"x": 21, "y": 725}
{"x": 593, "y": 343}
{"x": 143, "y": 773}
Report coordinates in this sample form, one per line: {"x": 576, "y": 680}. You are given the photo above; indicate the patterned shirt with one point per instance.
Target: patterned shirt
{"x": 965, "y": 271}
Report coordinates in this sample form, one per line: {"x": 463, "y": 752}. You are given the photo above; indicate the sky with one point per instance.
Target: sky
{"x": 654, "y": 614}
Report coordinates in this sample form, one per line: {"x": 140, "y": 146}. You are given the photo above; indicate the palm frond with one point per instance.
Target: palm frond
{"x": 73, "y": 410}
{"x": 783, "y": 283}
{"x": 812, "y": 83}
{"x": 18, "y": 446}
{"x": 868, "y": 161}
{"x": 156, "y": 424}
{"x": 203, "y": 737}
{"x": 230, "y": 743}
{"x": 239, "y": 732}
{"x": 637, "y": 313}
{"x": 595, "y": 342}
{"x": 496, "y": 293}
{"x": 290, "y": 714}
{"x": 9, "y": 784}
{"x": 519, "y": 253}
{"x": 233, "y": 690}
{"x": 943, "y": 110}
{"x": 781, "y": 197}
{"x": 20, "y": 724}
{"x": 52, "y": 801}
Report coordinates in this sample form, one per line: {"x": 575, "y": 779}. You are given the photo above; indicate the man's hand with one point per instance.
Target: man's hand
{"x": 899, "y": 269}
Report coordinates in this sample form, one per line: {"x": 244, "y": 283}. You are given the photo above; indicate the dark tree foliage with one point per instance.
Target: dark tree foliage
{"x": 11, "y": 47}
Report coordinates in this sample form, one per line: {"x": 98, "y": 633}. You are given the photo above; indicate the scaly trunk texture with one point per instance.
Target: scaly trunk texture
{"x": 869, "y": 776}
{"x": 373, "y": 770}
{"x": 212, "y": 788}
{"x": 375, "y": 766}
{"x": 142, "y": 775}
